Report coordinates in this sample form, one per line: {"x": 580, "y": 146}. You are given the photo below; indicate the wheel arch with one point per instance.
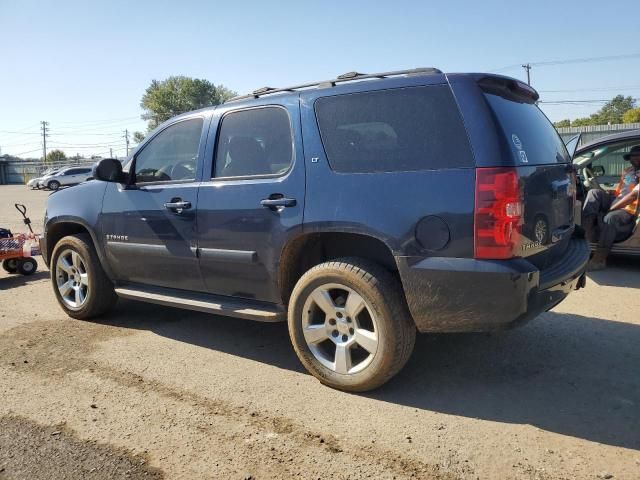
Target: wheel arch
{"x": 61, "y": 227}
{"x": 310, "y": 249}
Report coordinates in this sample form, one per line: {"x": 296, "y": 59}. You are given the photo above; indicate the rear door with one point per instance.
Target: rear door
{"x": 546, "y": 178}
{"x": 79, "y": 175}
{"x": 252, "y": 200}
{"x": 69, "y": 176}
{"x": 149, "y": 225}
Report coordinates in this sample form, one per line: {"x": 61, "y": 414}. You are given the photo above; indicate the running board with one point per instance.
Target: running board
{"x": 204, "y": 302}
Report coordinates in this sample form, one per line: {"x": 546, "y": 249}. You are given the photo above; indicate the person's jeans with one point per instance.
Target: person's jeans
{"x": 615, "y": 225}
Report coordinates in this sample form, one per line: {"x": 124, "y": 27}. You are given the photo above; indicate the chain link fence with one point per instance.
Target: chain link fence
{"x": 20, "y": 172}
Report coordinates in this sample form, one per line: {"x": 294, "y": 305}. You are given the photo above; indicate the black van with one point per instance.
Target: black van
{"x": 361, "y": 209}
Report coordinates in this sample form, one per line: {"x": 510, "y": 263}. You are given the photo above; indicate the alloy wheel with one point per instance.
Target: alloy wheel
{"x": 72, "y": 279}
{"x": 340, "y": 328}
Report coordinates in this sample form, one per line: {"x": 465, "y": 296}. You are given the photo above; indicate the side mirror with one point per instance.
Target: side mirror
{"x": 598, "y": 170}
{"x": 108, "y": 170}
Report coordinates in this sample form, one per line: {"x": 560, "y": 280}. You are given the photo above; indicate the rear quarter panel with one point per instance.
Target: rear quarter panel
{"x": 385, "y": 205}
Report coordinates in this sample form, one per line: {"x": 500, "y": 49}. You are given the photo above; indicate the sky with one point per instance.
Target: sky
{"x": 83, "y": 66}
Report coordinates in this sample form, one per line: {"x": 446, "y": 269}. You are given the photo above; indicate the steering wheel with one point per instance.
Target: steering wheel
{"x": 182, "y": 170}
{"x": 590, "y": 180}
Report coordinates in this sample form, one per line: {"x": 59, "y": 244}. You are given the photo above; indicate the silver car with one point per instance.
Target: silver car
{"x": 35, "y": 182}
{"x": 65, "y": 177}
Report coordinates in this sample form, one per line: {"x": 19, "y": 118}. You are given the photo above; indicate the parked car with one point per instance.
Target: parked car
{"x": 360, "y": 210}
{"x": 600, "y": 164}
{"x": 65, "y": 177}
{"x": 34, "y": 183}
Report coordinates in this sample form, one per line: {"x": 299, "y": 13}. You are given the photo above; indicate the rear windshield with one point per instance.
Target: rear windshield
{"x": 530, "y": 136}
{"x": 403, "y": 129}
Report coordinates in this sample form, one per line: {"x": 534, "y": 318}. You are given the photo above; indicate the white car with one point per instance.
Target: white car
{"x": 66, "y": 177}
{"x": 34, "y": 183}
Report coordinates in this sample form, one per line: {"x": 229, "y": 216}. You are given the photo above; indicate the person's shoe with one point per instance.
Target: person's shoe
{"x": 598, "y": 261}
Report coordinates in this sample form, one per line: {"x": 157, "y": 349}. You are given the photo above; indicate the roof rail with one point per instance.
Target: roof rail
{"x": 345, "y": 77}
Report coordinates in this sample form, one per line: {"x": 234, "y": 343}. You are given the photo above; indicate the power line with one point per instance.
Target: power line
{"x": 106, "y": 144}
{"x": 587, "y": 60}
{"x": 24, "y": 153}
{"x": 569, "y": 61}
{"x": 21, "y": 133}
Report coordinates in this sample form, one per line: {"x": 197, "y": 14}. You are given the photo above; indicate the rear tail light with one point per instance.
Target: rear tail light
{"x": 498, "y": 213}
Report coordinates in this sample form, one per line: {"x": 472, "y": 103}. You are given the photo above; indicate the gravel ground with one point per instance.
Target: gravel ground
{"x": 152, "y": 392}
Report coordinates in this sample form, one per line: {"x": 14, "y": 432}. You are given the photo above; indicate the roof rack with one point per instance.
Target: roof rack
{"x": 345, "y": 77}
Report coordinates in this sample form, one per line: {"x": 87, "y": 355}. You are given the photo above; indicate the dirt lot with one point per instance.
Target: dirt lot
{"x": 154, "y": 392}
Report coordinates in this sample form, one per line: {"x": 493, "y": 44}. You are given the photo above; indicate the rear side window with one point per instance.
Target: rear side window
{"x": 253, "y": 142}
{"x": 529, "y": 134}
{"x": 405, "y": 129}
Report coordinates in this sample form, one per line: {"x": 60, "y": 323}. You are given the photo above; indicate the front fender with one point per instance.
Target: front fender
{"x": 75, "y": 210}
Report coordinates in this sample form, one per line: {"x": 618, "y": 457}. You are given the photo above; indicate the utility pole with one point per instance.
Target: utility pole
{"x": 110, "y": 152}
{"x": 44, "y": 140}
{"x": 126, "y": 139}
{"x": 527, "y": 67}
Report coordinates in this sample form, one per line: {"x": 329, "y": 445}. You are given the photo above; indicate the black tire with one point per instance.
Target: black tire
{"x": 53, "y": 185}
{"x": 27, "y": 266}
{"x": 10, "y": 265}
{"x": 100, "y": 296}
{"x": 383, "y": 295}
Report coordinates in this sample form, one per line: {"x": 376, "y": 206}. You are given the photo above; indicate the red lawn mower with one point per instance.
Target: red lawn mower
{"x": 17, "y": 251}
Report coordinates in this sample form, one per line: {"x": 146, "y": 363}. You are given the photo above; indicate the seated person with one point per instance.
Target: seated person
{"x": 620, "y": 211}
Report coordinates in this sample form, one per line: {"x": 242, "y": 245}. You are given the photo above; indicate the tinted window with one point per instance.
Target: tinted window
{"x": 530, "y": 136}
{"x": 170, "y": 155}
{"x": 254, "y": 142}
{"x": 403, "y": 129}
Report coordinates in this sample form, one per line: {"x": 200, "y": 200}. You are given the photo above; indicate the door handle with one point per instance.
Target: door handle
{"x": 278, "y": 203}
{"x": 177, "y": 205}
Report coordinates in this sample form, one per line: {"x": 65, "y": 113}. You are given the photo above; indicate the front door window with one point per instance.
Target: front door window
{"x": 171, "y": 155}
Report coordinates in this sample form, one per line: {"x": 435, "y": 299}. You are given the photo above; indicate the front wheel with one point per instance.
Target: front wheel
{"x": 27, "y": 266}
{"x": 350, "y": 325}
{"x": 53, "y": 185}
{"x": 81, "y": 287}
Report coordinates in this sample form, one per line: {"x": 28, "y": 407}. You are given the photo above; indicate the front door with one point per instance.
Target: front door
{"x": 149, "y": 225}
{"x": 253, "y": 200}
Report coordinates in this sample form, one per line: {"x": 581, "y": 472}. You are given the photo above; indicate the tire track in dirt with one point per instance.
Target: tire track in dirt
{"x": 279, "y": 445}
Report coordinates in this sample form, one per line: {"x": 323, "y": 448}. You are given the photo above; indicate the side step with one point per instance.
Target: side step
{"x": 204, "y": 302}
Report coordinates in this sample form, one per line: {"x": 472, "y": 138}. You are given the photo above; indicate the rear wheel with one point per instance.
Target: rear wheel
{"x": 10, "y": 265}
{"x": 27, "y": 266}
{"x": 82, "y": 288}
{"x": 53, "y": 185}
{"x": 350, "y": 325}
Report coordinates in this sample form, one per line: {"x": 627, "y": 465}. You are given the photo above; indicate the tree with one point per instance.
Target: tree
{"x": 631, "y": 116}
{"x": 563, "y": 123}
{"x": 55, "y": 156}
{"x": 615, "y": 109}
{"x": 178, "y": 94}
{"x": 611, "y": 112}
{"x": 138, "y": 137}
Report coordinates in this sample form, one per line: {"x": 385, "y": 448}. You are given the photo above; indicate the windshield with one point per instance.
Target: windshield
{"x": 529, "y": 134}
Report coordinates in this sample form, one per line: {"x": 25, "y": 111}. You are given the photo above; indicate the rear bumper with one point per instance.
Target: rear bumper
{"x": 468, "y": 295}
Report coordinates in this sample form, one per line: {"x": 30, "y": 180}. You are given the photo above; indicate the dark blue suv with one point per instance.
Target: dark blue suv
{"x": 360, "y": 209}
